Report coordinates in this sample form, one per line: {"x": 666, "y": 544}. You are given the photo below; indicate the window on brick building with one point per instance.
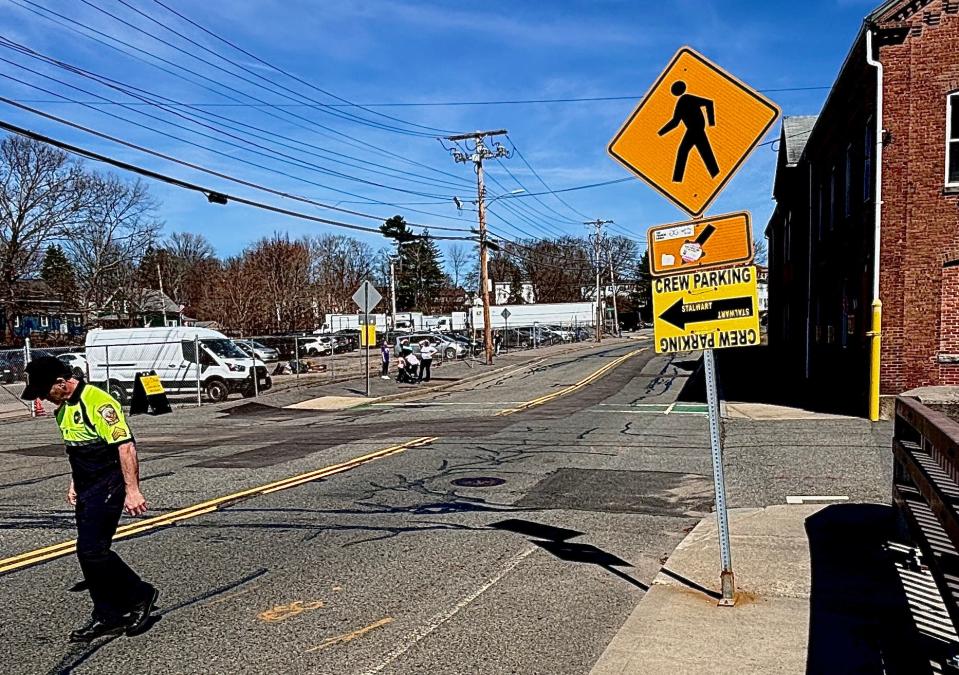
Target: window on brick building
{"x": 832, "y": 198}
{"x": 867, "y": 162}
{"x": 44, "y": 321}
{"x": 847, "y": 183}
{"x": 952, "y": 139}
{"x": 820, "y": 209}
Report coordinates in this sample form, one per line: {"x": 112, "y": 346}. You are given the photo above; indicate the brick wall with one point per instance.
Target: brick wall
{"x": 920, "y": 221}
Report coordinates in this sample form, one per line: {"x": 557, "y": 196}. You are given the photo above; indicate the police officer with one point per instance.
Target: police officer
{"x": 105, "y": 481}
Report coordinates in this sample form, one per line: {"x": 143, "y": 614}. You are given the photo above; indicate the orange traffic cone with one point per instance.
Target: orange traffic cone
{"x": 38, "y": 410}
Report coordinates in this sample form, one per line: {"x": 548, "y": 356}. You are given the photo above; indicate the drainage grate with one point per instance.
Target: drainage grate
{"x": 478, "y": 481}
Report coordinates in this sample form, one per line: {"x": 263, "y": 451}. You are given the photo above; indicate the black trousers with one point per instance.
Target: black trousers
{"x": 114, "y": 587}
{"x": 386, "y": 368}
{"x": 425, "y": 369}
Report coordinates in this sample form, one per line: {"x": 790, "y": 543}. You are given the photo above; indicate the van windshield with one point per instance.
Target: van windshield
{"x": 225, "y": 349}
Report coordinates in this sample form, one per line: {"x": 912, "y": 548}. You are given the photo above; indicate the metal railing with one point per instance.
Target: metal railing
{"x": 926, "y": 491}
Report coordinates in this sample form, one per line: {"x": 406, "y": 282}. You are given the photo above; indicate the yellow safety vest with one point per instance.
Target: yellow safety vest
{"x": 93, "y": 428}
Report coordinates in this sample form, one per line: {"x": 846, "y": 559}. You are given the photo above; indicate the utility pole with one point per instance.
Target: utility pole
{"x": 597, "y": 245}
{"x": 393, "y": 289}
{"x": 476, "y": 155}
{"x": 612, "y": 282}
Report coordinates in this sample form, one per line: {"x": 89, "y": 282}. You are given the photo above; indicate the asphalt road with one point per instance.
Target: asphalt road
{"x": 457, "y": 532}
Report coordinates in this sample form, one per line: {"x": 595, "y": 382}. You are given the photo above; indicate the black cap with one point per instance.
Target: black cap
{"x": 41, "y": 374}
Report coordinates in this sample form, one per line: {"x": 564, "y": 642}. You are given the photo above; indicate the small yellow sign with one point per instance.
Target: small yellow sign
{"x": 151, "y": 384}
{"x": 712, "y": 309}
{"x": 368, "y": 336}
{"x": 692, "y": 131}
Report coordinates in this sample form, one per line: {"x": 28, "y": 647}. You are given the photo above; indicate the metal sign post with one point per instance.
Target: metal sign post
{"x": 727, "y": 581}
{"x": 505, "y": 314}
{"x": 366, "y": 333}
{"x": 366, "y": 298}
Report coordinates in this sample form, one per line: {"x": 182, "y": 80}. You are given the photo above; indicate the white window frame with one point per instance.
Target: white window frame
{"x": 16, "y": 321}
{"x": 952, "y": 136}
{"x": 44, "y": 321}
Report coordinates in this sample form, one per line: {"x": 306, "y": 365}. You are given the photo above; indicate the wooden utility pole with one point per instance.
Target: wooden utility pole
{"x": 476, "y": 155}
{"x": 597, "y": 246}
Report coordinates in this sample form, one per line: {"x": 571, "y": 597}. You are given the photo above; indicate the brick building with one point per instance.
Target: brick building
{"x": 822, "y": 232}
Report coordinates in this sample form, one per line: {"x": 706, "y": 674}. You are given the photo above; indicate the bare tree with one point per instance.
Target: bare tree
{"x": 283, "y": 267}
{"x": 459, "y": 259}
{"x": 41, "y": 194}
{"x": 117, "y": 226}
{"x": 761, "y": 251}
{"x": 338, "y": 265}
{"x": 188, "y": 256}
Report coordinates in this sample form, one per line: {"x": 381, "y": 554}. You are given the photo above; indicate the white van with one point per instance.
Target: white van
{"x": 115, "y": 356}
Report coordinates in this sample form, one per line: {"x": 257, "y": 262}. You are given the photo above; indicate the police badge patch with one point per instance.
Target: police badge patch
{"x": 76, "y": 417}
{"x": 109, "y": 414}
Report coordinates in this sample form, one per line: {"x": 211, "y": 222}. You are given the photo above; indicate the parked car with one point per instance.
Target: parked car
{"x": 77, "y": 363}
{"x": 446, "y": 346}
{"x": 260, "y": 350}
{"x": 316, "y": 346}
{"x": 11, "y": 367}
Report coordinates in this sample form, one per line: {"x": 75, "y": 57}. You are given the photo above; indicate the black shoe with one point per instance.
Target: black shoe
{"x": 140, "y": 614}
{"x": 96, "y": 628}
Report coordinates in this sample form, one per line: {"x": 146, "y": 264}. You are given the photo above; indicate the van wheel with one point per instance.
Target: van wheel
{"x": 216, "y": 390}
{"x": 117, "y": 391}
{"x": 248, "y": 392}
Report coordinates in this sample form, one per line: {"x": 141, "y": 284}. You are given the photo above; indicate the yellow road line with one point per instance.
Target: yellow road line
{"x": 67, "y": 547}
{"x": 589, "y": 379}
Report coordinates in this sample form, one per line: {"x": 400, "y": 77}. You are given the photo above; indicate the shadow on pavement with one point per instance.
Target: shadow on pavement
{"x": 859, "y": 620}
{"x": 554, "y": 541}
{"x": 755, "y": 375}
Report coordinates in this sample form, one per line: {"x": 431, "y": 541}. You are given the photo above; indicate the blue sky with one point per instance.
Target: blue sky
{"x": 372, "y": 51}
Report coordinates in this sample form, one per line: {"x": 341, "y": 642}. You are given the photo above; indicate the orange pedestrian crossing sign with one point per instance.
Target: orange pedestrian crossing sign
{"x": 692, "y": 131}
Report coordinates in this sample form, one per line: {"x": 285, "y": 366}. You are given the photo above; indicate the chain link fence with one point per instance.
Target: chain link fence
{"x": 198, "y": 372}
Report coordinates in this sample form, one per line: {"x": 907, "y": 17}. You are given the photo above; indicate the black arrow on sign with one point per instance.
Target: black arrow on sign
{"x": 679, "y": 316}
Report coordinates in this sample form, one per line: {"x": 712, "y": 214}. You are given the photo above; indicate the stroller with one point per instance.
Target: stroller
{"x": 404, "y": 373}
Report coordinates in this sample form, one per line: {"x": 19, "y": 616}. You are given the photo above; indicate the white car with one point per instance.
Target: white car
{"x": 318, "y": 346}
{"x": 77, "y": 363}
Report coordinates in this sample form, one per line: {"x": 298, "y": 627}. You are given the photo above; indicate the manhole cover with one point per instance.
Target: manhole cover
{"x": 478, "y": 481}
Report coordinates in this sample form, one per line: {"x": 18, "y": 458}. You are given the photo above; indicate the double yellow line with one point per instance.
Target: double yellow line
{"x": 140, "y": 526}
{"x": 586, "y": 381}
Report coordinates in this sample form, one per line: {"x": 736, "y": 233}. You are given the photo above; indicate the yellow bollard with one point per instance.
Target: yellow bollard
{"x": 875, "y": 349}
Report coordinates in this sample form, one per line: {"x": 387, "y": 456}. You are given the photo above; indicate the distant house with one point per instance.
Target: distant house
{"x": 40, "y": 311}
{"x": 145, "y": 307}
{"x": 503, "y": 291}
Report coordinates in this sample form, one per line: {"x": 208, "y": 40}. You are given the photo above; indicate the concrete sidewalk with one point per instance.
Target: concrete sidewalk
{"x": 818, "y": 591}
{"x": 678, "y": 627}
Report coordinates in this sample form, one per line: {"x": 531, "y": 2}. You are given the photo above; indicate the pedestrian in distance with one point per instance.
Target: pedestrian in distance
{"x": 427, "y": 350}
{"x": 385, "y": 360}
{"x": 412, "y": 365}
{"x": 105, "y": 480}
{"x": 497, "y": 343}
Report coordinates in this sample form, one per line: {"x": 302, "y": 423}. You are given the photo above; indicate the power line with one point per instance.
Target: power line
{"x": 214, "y": 196}
{"x": 197, "y": 167}
{"x": 295, "y": 77}
{"x": 272, "y": 88}
{"x": 426, "y": 104}
{"x": 70, "y": 23}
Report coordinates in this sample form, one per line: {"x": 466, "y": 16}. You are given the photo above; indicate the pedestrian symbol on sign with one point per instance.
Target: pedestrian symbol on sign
{"x": 692, "y": 130}
{"x": 689, "y": 113}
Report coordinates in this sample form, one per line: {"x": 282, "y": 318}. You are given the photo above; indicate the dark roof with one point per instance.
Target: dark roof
{"x": 796, "y": 130}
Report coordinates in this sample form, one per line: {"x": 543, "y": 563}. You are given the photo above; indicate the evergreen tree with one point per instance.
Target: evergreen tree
{"x": 58, "y": 274}
{"x": 420, "y": 276}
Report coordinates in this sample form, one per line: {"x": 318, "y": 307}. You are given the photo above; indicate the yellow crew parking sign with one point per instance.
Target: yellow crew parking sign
{"x": 712, "y": 309}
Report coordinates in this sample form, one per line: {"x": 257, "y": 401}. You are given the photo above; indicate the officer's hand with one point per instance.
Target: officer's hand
{"x": 71, "y": 496}
{"x": 135, "y": 504}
